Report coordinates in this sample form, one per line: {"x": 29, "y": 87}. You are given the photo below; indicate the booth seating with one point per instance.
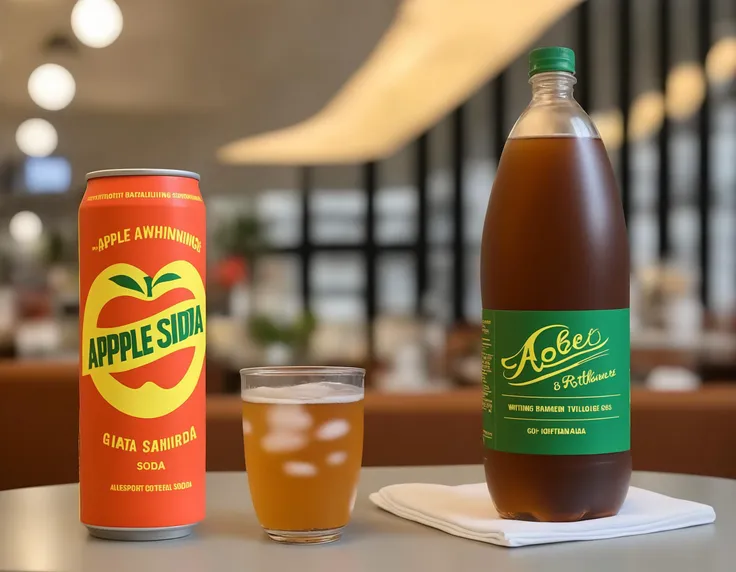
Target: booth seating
{"x": 689, "y": 432}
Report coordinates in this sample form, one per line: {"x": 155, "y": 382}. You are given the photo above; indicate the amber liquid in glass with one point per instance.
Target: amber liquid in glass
{"x": 555, "y": 239}
{"x": 298, "y": 480}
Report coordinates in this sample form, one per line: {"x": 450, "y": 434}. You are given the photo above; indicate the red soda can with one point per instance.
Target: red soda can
{"x": 142, "y": 262}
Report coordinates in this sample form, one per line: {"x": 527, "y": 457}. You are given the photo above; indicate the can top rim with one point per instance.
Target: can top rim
{"x": 142, "y": 173}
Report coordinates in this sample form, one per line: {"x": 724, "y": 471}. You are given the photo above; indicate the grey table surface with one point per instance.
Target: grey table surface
{"x": 40, "y": 531}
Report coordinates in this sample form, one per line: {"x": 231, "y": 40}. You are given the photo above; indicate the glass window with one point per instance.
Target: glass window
{"x": 477, "y": 117}
{"x": 277, "y": 287}
{"x": 338, "y": 273}
{"x": 685, "y": 235}
{"x": 339, "y": 343}
{"x": 439, "y": 225}
{"x": 396, "y": 215}
{"x": 279, "y": 271}
{"x": 438, "y": 299}
{"x": 643, "y": 225}
{"x": 684, "y": 157}
{"x": 472, "y": 304}
{"x": 723, "y": 211}
{"x": 723, "y": 260}
{"x": 339, "y": 308}
{"x": 396, "y": 276}
{"x": 338, "y": 216}
{"x": 280, "y": 213}
{"x": 478, "y": 181}
{"x": 723, "y": 151}
{"x": 644, "y": 238}
{"x": 644, "y": 173}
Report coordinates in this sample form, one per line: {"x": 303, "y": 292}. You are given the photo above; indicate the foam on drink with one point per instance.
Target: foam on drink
{"x": 308, "y": 393}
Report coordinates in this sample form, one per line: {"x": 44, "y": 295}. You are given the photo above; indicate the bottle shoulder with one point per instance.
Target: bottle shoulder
{"x": 556, "y": 118}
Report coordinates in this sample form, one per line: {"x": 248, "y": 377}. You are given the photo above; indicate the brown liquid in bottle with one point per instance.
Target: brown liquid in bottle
{"x": 555, "y": 239}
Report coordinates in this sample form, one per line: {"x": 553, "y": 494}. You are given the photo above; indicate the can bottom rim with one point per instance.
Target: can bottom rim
{"x": 141, "y": 534}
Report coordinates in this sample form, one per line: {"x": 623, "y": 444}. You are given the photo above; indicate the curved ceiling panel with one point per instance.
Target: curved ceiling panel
{"x": 435, "y": 54}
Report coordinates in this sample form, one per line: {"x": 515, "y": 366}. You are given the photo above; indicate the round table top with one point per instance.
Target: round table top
{"x": 40, "y": 531}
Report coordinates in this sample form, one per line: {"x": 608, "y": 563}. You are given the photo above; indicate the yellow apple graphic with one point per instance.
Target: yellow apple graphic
{"x": 106, "y": 352}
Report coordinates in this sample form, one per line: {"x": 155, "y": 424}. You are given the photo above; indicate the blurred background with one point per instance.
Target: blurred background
{"x": 374, "y": 263}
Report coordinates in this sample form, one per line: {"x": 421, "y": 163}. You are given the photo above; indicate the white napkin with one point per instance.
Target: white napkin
{"x": 467, "y": 511}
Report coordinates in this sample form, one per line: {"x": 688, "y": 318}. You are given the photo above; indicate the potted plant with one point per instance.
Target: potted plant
{"x": 283, "y": 342}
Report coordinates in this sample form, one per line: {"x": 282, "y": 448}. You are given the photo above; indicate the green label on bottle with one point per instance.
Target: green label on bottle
{"x": 556, "y": 383}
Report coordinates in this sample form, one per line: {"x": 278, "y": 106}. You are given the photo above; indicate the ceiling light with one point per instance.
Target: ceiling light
{"x": 646, "y": 115}
{"x": 36, "y": 137}
{"x": 97, "y": 23}
{"x": 720, "y": 65}
{"x": 610, "y": 125}
{"x": 51, "y": 87}
{"x": 685, "y": 90}
{"x": 25, "y": 227}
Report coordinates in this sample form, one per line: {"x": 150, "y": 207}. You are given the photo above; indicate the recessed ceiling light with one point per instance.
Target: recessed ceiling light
{"x": 646, "y": 115}
{"x": 610, "y": 126}
{"x": 720, "y": 65}
{"x": 36, "y": 137}
{"x": 685, "y": 90}
{"x": 51, "y": 87}
{"x": 97, "y": 23}
{"x": 25, "y": 227}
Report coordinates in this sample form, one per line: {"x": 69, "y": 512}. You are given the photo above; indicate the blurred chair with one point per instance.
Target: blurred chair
{"x": 39, "y": 405}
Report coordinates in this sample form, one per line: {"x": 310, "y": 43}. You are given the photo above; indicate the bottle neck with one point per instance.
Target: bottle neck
{"x": 550, "y": 86}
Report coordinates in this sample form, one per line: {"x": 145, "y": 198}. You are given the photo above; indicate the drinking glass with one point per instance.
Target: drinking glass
{"x": 303, "y": 437}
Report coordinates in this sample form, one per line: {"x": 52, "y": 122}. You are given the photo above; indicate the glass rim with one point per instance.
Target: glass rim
{"x": 292, "y": 370}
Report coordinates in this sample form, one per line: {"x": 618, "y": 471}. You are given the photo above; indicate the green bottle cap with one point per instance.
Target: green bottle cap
{"x": 551, "y": 60}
